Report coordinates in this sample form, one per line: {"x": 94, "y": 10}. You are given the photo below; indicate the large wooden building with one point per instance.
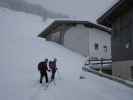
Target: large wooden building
{"x": 89, "y": 39}
{"x": 120, "y": 19}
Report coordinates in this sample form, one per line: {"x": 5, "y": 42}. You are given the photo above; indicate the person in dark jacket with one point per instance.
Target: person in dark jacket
{"x": 53, "y": 68}
{"x": 42, "y": 68}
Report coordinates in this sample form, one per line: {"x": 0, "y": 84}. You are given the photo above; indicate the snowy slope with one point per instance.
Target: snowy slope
{"x": 20, "y": 52}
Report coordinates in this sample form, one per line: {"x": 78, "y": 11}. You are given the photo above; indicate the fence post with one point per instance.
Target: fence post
{"x": 101, "y": 67}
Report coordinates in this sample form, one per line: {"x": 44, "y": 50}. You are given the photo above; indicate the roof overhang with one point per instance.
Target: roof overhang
{"x": 56, "y": 23}
{"x": 120, "y": 7}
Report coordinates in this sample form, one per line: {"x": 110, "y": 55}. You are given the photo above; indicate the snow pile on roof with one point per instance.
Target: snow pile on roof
{"x": 48, "y": 22}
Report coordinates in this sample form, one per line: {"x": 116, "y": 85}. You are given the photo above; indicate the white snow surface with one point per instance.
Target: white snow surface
{"x": 20, "y": 52}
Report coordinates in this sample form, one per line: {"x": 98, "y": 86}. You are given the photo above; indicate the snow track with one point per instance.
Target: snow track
{"x": 20, "y": 52}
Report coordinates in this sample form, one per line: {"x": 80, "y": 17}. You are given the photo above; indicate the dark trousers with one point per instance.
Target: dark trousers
{"x": 43, "y": 75}
{"x": 53, "y": 75}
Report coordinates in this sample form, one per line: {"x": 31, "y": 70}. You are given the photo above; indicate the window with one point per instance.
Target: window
{"x": 128, "y": 44}
{"x": 96, "y": 46}
{"x": 55, "y": 37}
{"x": 105, "y": 48}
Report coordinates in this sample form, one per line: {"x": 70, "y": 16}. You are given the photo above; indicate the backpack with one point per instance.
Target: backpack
{"x": 39, "y": 66}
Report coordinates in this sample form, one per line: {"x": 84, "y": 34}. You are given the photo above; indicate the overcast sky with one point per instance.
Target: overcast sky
{"x": 27, "y": 7}
{"x": 83, "y": 9}
{"x": 80, "y": 9}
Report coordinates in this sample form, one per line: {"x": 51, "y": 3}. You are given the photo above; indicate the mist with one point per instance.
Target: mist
{"x": 35, "y": 9}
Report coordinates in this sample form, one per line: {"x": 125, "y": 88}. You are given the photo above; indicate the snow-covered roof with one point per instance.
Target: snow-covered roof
{"x": 54, "y": 23}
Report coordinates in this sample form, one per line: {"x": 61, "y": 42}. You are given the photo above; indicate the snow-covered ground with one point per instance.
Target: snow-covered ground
{"x": 20, "y": 52}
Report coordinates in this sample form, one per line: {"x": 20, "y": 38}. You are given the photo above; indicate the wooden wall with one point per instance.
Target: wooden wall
{"x": 122, "y": 37}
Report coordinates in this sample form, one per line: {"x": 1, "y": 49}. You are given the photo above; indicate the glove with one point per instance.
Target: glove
{"x": 49, "y": 70}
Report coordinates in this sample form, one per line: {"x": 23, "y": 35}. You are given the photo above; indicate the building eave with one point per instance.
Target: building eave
{"x": 108, "y": 17}
{"x": 56, "y": 23}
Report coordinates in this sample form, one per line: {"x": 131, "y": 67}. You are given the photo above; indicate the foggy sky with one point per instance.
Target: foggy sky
{"x": 80, "y": 9}
{"x": 23, "y": 6}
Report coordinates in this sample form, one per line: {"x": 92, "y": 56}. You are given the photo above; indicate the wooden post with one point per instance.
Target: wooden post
{"x": 101, "y": 65}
